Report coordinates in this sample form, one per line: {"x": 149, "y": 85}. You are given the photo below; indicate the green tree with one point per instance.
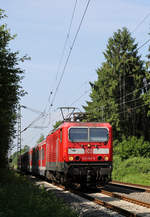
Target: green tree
{"x": 40, "y": 139}
{"x": 57, "y": 124}
{"x": 25, "y": 149}
{"x": 10, "y": 89}
{"x": 146, "y": 89}
{"x": 14, "y": 156}
{"x": 116, "y": 95}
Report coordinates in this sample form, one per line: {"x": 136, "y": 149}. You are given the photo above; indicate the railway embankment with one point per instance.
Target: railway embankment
{"x": 20, "y": 197}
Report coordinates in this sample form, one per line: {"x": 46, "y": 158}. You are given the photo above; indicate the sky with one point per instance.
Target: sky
{"x": 42, "y": 27}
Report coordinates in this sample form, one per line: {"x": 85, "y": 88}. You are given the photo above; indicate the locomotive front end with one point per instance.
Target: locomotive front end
{"x": 89, "y": 153}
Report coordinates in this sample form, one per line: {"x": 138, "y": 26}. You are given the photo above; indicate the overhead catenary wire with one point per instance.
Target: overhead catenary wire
{"x": 31, "y": 109}
{"x": 41, "y": 115}
{"x": 129, "y": 110}
{"x": 67, "y": 38}
{"x": 100, "y": 107}
{"x": 141, "y": 22}
{"x": 62, "y": 55}
{"x": 130, "y": 93}
{"x": 70, "y": 51}
{"x": 80, "y": 97}
{"x": 33, "y": 122}
{"x": 143, "y": 44}
{"x": 134, "y": 108}
{"x": 63, "y": 51}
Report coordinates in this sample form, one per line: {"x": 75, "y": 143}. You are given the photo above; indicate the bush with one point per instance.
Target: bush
{"x": 133, "y": 170}
{"x": 19, "y": 197}
{"x": 132, "y": 147}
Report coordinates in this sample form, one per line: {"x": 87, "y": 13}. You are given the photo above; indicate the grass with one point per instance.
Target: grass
{"x": 20, "y": 198}
{"x": 134, "y": 170}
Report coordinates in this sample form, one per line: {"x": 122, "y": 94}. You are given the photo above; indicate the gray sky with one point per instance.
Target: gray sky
{"x": 41, "y": 27}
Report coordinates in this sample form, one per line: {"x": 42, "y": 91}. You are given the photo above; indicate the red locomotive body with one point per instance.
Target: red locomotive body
{"x": 76, "y": 152}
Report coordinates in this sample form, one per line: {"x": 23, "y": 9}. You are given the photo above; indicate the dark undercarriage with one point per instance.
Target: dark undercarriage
{"x": 85, "y": 174}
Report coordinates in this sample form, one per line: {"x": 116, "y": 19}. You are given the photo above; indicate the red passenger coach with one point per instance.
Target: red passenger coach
{"x": 76, "y": 152}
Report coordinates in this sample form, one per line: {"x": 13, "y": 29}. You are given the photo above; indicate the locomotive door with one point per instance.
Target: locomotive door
{"x": 57, "y": 151}
{"x": 43, "y": 156}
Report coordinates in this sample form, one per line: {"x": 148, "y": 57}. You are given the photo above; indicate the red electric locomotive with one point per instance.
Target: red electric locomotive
{"x": 75, "y": 152}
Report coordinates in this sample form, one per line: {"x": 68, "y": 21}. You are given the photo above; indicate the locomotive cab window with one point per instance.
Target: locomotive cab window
{"x": 98, "y": 135}
{"x": 88, "y": 134}
{"x": 78, "y": 134}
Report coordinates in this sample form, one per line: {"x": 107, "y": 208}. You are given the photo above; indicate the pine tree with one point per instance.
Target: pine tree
{"x": 116, "y": 95}
{"x": 146, "y": 89}
{"x": 146, "y": 98}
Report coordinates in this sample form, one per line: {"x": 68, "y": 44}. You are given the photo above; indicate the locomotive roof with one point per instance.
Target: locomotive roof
{"x": 84, "y": 124}
{"x": 72, "y": 123}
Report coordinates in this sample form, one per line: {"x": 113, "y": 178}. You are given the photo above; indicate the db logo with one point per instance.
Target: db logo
{"x": 88, "y": 151}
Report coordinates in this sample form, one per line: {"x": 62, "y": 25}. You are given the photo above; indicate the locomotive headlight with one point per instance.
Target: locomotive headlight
{"x": 106, "y": 158}
{"x": 71, "y": 158}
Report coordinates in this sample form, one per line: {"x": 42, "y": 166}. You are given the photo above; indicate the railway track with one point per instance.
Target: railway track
{"x": 131, "y": 186}
{"x": 122, "y": 197}
{"x": 108, "y": 205}
{"x": 123, "y": 205}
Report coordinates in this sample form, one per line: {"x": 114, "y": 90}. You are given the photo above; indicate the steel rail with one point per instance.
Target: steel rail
{"x": 107, "y": 205}
{"x": 131, "y": 186}
{"x": 122, "y": 197}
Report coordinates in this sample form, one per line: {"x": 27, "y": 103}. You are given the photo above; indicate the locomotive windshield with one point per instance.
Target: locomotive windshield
{"x": 78, "y": 134}
{"x": 88, "y": 134}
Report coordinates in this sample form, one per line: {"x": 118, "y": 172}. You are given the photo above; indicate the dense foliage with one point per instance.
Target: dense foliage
{"x": 14, "y": 156}
{"x": 132, "y": 147}
{"x": 133, "y": 170}
{"x": 119, "y": 95}
{"x": 146, "y": 95}
{"x": 19, "y": 197}
{"x": 10, "y": 90}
